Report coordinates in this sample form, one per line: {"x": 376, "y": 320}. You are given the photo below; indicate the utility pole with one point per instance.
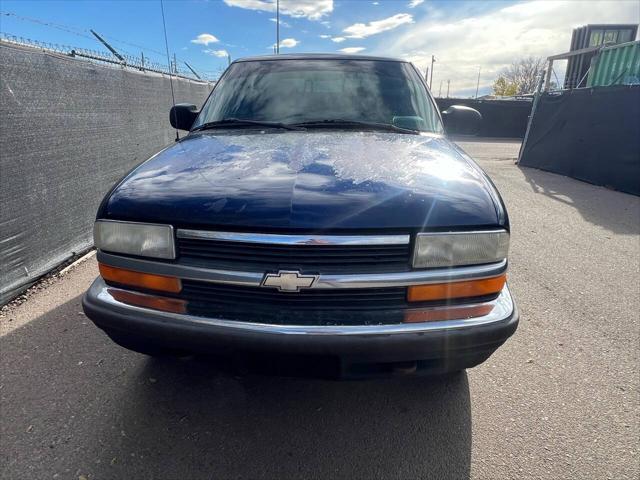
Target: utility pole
{"x": 426, "y": 75}
{"x": 228, "y": 59}
{"x": 142, "y": 59}
{"x": 478, "y": 84}
{"x": 448, "y": 82}
{"x": 175, "y": 64}
{"x": 433, "y": 60}
{"x": 440, "y": 91}
{"x": 277, "y": 26}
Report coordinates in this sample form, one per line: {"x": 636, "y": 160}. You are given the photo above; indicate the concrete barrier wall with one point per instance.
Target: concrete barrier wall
{"x": 69, "y": 130}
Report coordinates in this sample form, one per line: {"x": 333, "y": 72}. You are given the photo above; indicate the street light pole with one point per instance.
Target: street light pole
{"x": 277, "y": 26}
{"x": 478, "y": 84}
{"x": 433, "y": 60}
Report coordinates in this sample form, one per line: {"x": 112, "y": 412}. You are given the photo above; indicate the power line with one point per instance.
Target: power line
{"x": 59, "y": 26}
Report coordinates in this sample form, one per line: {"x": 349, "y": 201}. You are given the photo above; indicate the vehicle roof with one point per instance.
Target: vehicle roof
{"x": 317, "y": 56}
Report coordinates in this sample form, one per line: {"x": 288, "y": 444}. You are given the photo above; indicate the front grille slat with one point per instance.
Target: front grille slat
{"x": 320, "y": 299}
{"x": 286, "y": 248}
{"x": 272, "y": 257}
{"x": 293, "y": 296}
{"x": 283, "y": 260}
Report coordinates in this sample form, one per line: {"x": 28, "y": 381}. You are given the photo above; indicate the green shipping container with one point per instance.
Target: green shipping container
{"x": 616, "y": 65}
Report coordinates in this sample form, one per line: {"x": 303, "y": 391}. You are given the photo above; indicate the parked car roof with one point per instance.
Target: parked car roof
{"x": 317, "y": 56}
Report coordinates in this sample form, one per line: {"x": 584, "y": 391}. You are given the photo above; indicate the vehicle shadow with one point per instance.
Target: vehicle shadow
{"x": 616, "y": 211}
{"x": 194, "y": 419}
{"x": 75, "y": 404}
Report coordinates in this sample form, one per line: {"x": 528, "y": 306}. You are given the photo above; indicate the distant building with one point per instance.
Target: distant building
{"x": 591, "y": 36}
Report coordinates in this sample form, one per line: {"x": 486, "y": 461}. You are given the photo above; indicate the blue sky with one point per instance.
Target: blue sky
{"x": 465, "y": 36}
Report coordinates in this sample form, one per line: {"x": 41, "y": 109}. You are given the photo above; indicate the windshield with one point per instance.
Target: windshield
{"x": 302, "y": 91}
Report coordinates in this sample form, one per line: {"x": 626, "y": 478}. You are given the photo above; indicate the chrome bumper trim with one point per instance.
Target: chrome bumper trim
{"x": 503, "y": 309}
{"x": 275, "y": 239}
{"x": 254, "y": 279}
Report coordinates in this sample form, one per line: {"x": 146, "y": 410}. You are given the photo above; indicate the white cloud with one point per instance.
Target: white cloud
{"x": 415, "y": 3}
{"x": 205, "y": 39}
{"x": 325, "y": 36}
{"x": 363, "y": 30}
{"x": 289, "y": 43}
{"x": 311, "y": 9}
{"x": 352, "y": 49}
{"x": 338, "y": 39}
{"x": 493, "y": 39}
{"x": 282, "y": 22}
{"x": 217, "y": 53}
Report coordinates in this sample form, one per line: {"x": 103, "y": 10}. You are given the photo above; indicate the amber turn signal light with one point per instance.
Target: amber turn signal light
{"x": 139, "y": 279}
{"x": 448, "y": 313}
{"x": 171, "y": 305}
{"x": 463, "y": 289}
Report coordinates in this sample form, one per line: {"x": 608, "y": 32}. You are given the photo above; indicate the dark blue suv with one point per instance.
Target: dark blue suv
{"x": 315, "y": 208}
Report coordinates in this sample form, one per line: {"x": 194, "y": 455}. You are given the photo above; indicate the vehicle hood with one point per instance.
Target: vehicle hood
{"x": 307, "y": 180}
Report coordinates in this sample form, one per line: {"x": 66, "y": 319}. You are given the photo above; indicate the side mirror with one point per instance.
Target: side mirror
{"x": 461, "y": 119}
{"x": 183, "y": 115}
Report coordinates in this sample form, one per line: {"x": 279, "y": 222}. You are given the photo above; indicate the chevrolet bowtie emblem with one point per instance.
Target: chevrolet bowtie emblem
{"x": 288, "y": 281}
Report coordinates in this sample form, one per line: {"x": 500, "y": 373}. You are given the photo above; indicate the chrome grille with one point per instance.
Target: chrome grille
{"x": 324, "y": 256}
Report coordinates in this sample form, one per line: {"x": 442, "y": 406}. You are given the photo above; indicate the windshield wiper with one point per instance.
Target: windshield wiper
{"x": 356, "y": 123}
{"x": 239, "y": 122}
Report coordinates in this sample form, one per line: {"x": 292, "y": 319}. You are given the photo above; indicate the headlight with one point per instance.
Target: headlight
{"x": 142, "y": 239}
{"x": 450, "y": 249}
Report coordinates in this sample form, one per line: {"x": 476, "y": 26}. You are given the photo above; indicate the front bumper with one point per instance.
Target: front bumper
{"x": 471, "y": 338}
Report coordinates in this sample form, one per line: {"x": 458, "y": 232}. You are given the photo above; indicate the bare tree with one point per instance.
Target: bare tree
{"x": 523, "y": 74}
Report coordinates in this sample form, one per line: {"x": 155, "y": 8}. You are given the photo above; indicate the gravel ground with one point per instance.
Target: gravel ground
{"x": 559, "y": 400}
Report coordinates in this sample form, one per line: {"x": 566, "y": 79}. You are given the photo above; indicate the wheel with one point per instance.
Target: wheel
{"x": 144, "y": 346}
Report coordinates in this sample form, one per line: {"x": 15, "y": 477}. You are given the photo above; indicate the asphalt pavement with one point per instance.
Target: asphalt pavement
{"x": 560, "y": 399}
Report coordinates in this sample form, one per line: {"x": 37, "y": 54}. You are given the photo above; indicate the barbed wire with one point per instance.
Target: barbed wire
{"x": 130, "y": 61}
{"x": 79, "y": 31}
{"x": 86, "y": 34}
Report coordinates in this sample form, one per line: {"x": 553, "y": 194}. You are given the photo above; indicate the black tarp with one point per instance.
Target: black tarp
{"x": 500, "y": 118}
{"x": 69, "y": 130}
{"x": 589, "y": 134}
